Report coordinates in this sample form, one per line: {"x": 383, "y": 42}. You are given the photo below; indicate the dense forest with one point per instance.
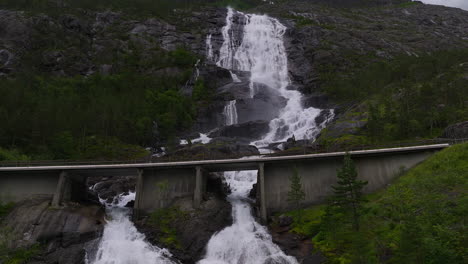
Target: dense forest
{"x": 91, "y": 117}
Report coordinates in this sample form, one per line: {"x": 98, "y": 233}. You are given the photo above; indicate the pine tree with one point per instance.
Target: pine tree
{"x": 296, "y": 194}
{"x": 348, "y": 191}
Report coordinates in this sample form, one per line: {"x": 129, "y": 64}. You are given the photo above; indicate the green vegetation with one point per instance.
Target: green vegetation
{"x": 347, "y": 198}
{"x": 12, "y": 154}
{"x": 5, "y": 209}
{"x": 99, "y": 116}
{"x": 296, "y": 193}
{"x": 160, "y": 8}
{"x": 421, "y": 218}
{"x": 408, "y": 4}
{"x": 407, "y": 97}
{"x": 164, "y": 221}
{"x": 19, "y": 256}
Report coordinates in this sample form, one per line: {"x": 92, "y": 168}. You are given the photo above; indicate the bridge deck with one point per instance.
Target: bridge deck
{"x": 250, "y": 163}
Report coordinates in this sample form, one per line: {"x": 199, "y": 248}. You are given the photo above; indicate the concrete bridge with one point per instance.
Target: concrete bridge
{"x": 159, "y": 184}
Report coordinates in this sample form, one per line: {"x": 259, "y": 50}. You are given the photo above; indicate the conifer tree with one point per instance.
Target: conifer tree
{"x": 296, "y": 194}
{"x": 347, "y": 195}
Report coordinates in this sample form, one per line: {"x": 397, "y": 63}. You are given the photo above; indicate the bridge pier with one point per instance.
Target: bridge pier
{"x": 61, "y": 189}
{"x": 138, "y": 194}
{"x": 261, "y": 189}
{"x": 200, "y": 186}
{"x": 159, "y": 188}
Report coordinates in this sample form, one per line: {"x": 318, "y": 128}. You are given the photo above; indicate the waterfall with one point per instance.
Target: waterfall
{"x": 230, "y": 113}
{"x": 263, "y": 54}
{"x": 226, "y": 52}
{"x": 121, "y": 242}
{"x": 245, "y": 241}
{"x": 209, "y": 48}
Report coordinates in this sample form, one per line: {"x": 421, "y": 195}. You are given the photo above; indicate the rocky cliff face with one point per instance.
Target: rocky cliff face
{"x": 63, "y": 233}
{"x": 318, "y": 36}
{"x": 345, "y": 38}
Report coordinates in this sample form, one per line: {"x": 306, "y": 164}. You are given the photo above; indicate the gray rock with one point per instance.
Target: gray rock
{"x": 285, "y": 220}
{"x": 193, "y": 229}
{"x": 64, "y": 232}
{"x": 456, "y": 131}
{"x": 252, "y": 130}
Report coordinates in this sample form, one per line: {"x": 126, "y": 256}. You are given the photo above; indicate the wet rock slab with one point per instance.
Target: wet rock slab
{"x": 62, "y": 232}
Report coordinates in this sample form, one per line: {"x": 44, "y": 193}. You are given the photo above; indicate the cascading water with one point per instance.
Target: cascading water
{"x": 230, "y": 113}
{"x": 246, "y": 241}
{"x": 121, "y": 242}
{"x": 209, "y": 48}
{"x": 262, "y": 53}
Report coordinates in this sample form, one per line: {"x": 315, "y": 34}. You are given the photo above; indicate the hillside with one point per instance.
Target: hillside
{"x": 418, "y": 219}
{"x": 103, "y": 80}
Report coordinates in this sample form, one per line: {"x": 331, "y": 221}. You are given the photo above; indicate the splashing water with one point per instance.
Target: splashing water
{"x": 246, "y": 241}
{"x": 121, "y": 242}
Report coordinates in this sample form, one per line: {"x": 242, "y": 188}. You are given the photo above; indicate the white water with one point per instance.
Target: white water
{"x": 203, "y": 139}
{"x": 246, "y": 241}
{"x": 209, "y": 48}
{"x": 226, "y": 52}
{"x": 230, "y": 113}
{"x": 121, "y": 242}
{"x": 234, "y": 77}
{"x": 263, "y": 54}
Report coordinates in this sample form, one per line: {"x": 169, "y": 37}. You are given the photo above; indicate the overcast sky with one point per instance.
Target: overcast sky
{"x": 455, "y": 3}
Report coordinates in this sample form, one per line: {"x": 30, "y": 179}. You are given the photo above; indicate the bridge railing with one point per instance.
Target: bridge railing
{"x": 207, "y": 154}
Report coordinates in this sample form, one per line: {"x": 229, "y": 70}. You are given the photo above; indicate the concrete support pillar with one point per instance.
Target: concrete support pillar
{"x": 60, "y": 190}
{"x": 138, "y": 194}
{"x": 261, "y": 183}
{"x": 198, "y": 193}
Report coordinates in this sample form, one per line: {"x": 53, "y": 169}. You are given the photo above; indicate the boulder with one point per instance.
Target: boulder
{"x": 218, "y": 148}
{"x": 252, "y": 130}
{"x": 265, "y": 105}
{"x": 64, "y": 232}
{"x": 193, "y": 228}
{"x": 285, "y": 220}
{"x": 109, "y": 187}
{"x": 456, "y": 131}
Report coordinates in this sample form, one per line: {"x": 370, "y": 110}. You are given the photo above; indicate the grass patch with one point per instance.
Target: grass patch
{"x": 164, "y": 220}
{"x": 5, "y": 209}
{"x": 19, "y": 256}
